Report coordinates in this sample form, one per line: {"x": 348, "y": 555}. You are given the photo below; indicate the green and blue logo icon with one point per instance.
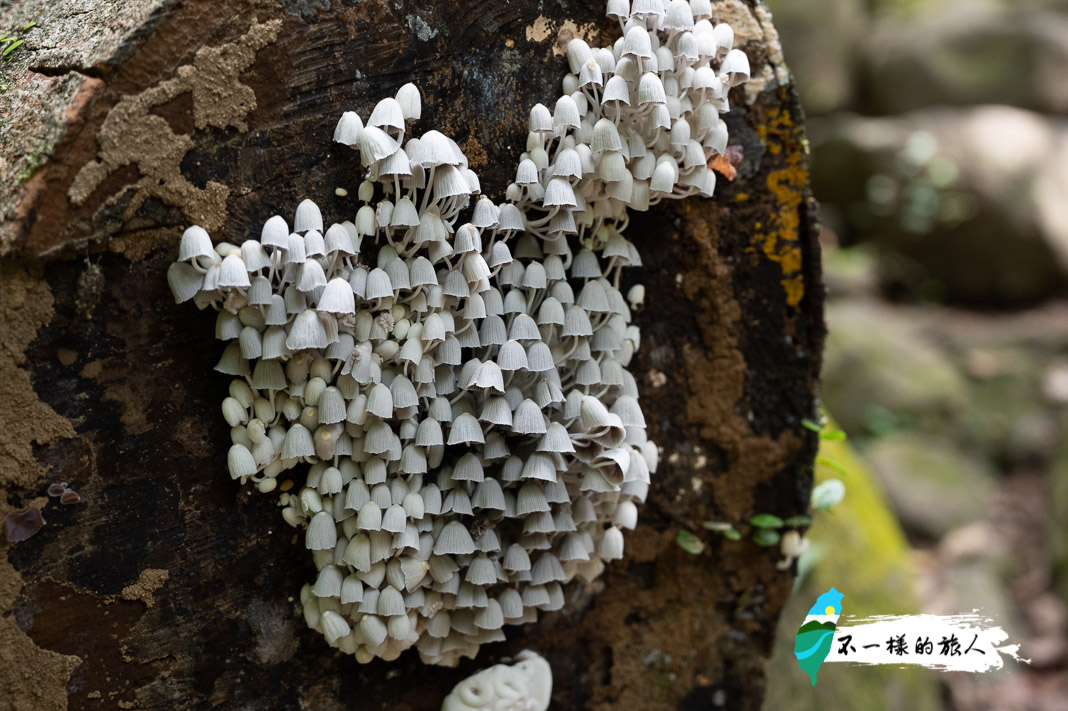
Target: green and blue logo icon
{"x": 816, "y": 636}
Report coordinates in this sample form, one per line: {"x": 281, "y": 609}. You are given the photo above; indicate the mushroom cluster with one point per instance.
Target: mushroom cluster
{"x": 451, "y": 373}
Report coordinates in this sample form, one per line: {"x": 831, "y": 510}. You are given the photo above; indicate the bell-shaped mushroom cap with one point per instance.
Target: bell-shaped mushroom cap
{"x": 348, "y": 129}
{"x": 306, "y": 332}
{"x": 611, "y": 545}
{"x": 541, "y": 121}
{"x": 410, "y": 102}
{"x": 376, "y": 144}
{"x": 679, "y": 16}
{"x": 254, "y": 256}
{"x": 559, "y": 192}
{"x": 578, "y": 53}
{"x": 568, "y": 164}
{"x": 454, "y": 539}
{"x": 618, "y": 10}
{"x": 566, "y": 114}
{"x": 647, "y": 8}
{"x": 311, "y": 277}
{"x": 334, "y": 626}
{"x": 233, "y": 274}
{"x": 240, "y": 462}
{"x": 396, "y": 163}
{"x": 605, "y": 137}
{"x": 450, "y": 181}
{"x": 651, "y": 90}
{"x": 338, "y": 239}
{"x": 526, "y": 173}
{"x": 636, "y": 43}
{"x": 322, "y": 532}
{"x": 736, "y": 67}
{"x": 275, "y": 232}
{"x": 308, "y": 217}
{"x": 724, "y": 34}
{"x": 468, "y": 468}
{"x": 435, "y": 149}
{"x": 510, "y": 218}
{"x": 616, "y": 90}
{"x": 184, "y": 280}
{"x": 663, "y": 178}
{"x": 485, "y": 213}
{"x": 528, "y": 418}
{"x": 465, "y": 430}
{"x": 196, "y": 243}
{"x": 591, "y": 73}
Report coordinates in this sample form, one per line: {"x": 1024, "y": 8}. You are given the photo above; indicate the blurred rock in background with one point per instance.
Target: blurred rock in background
{"x": 939, "y": 135}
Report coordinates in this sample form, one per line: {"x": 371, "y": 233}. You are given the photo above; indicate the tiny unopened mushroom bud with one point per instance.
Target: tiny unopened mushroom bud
{"x": 793, "y": 545}
{"x": 636, "y": 296}
{"x": 233, "y": 412}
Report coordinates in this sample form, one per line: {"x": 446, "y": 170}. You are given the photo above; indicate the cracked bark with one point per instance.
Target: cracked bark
{"x": 732, "y": 334}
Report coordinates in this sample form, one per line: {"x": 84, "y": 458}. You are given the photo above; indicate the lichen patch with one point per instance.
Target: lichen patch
{"x": 36, "y": 679}
{"x": 149, "y": 581}
{"x": 544, "y": 28}
{"x": 25, "y": 306}
{"x": 132, "y": 135}
{"x": 779, "y": 238}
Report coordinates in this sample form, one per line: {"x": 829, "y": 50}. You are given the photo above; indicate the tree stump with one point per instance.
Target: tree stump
{"x": 169, "y": 586}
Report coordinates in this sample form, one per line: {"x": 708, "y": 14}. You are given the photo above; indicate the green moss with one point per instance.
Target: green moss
{"x": 866, "y": 556}
{"x": 33, "y": 162}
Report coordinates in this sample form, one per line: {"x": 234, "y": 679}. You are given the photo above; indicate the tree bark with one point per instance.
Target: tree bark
{"x": 169, "y": 586}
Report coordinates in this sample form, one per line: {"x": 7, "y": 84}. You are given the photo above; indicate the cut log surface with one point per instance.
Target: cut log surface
{"x": 171, "y": 587}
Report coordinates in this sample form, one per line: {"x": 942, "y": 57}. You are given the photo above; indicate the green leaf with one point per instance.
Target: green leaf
{"x": 11, "y": 48}
{"x": 766, "y": 520}
{"x": 798, "y": 521}
{"x": 827, "y": 494}
{"x": 689, "y": 542}
{"x": 833, "y": 435}
{"x": 717, "y": 526}
{"x": 810, "y": 425}
{"x": 832, "y": 464}
{"x": 732, "y": 534}
{"x": 32, "y": 24}
{"x": 765, "y": 537}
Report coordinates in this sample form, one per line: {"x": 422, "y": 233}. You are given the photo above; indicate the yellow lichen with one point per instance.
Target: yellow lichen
{"x": 780, "y": 241}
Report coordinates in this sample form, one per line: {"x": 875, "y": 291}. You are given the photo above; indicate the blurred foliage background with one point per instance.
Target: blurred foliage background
{"x": 940, "y": 158}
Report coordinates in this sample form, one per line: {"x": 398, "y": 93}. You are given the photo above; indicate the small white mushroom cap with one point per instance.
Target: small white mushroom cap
{"x": 348, "y": 129}
{"x": 410, "y": 101}
{"x": 196, "y": 243}
{"x": 308, "y": 217}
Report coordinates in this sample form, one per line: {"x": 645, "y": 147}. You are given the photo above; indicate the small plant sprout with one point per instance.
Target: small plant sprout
{"x": 689, "y": 542}
{"x": 447, "y": 375}
{"x": 10, "y": 42}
